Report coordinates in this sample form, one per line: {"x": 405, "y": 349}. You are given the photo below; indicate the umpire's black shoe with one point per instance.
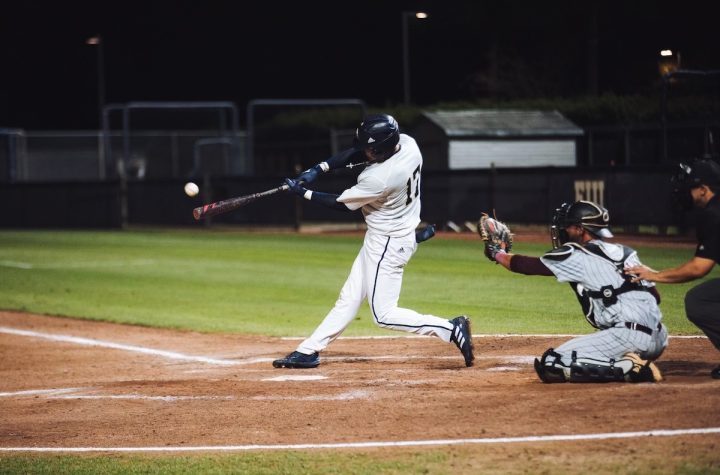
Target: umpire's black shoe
{"x": 715, "y": 374}
{"x": 298, "y": 360}
{"x": 462, "y": 337}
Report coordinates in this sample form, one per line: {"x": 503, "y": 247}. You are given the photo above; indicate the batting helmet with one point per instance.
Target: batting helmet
{"x": 586, "y": 214}
{"x": 378, "y": 133}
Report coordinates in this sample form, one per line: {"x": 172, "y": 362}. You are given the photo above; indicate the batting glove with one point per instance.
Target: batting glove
{"x": 295, "y": 187}
{"x": 425, "y": 233}
{"x": 311, "y": 174}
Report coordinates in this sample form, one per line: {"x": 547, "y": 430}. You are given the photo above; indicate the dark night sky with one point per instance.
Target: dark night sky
{"x": 237, "y": 51}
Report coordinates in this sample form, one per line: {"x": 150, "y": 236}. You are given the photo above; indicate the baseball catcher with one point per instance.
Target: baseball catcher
{"x": 626, "y": 313}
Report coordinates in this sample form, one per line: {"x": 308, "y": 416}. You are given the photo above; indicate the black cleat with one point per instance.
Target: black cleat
{"x": 298, "y": 360}
{"x": 462, "y": 337}
{"x": 715, "y": 374}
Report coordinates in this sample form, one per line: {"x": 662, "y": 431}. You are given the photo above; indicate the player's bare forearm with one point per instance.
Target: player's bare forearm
{"x": 695, "y": 268}
{"x": 503, "y": 258}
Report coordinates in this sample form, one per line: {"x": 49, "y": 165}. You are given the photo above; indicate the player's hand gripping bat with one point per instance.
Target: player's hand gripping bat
{"x": 231, "y": 204}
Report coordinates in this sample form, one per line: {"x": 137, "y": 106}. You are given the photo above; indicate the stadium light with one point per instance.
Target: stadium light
{"x": 97, "y": 42}
{"x": 406, "y": 60}
{"x": 669, "y": 62}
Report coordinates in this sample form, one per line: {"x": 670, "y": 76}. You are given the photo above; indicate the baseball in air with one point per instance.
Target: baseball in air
{"x": 191, "y": 189}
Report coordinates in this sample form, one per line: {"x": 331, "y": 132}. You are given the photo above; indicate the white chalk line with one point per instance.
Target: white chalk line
{"x": 40, "y": 392}
{"x": 143, "y": 397}
{"x": 346, "y": 396}
{"x": 296, "y": 377}
{"x": 77, "y": 394}
{"x": 381, "y": 444}
{"x": 119, "y": 346}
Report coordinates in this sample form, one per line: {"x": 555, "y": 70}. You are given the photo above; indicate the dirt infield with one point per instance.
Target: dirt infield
{"x": 68, "y": 383}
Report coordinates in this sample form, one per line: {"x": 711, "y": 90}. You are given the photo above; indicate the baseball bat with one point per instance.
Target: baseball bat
{"x": 230, "y": 204}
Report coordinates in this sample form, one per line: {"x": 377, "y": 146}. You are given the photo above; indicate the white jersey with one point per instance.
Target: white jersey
{"x": 590, "y": 271}
{"x": 389, "y": 192}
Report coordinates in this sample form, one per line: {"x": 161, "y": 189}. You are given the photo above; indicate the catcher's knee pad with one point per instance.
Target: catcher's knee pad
{"x": 586, "y": 370}
{"x": 549, "y": 367}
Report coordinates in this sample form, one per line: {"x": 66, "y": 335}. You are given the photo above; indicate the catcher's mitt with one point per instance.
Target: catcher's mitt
{"x": 496, "y": 234}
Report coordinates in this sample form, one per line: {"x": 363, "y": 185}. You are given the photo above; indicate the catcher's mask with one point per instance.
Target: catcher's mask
{"x": 690, "y": 175}
{"x": 590, "y": 216}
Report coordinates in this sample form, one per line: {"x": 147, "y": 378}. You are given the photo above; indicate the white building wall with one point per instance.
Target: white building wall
{"x": 470, "y": 154}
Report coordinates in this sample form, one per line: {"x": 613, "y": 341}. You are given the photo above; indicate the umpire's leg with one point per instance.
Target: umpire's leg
{"x": 702, "y": 305}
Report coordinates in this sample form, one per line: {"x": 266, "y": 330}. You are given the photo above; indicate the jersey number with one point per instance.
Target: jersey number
{"x": 414, "y": 180}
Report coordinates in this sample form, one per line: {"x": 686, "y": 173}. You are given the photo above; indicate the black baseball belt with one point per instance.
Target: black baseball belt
{"x": 641, "y": 328}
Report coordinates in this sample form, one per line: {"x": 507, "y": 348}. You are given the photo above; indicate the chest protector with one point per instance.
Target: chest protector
{"x": 608, "y": 294}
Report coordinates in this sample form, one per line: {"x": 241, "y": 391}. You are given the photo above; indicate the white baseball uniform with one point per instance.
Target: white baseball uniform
{"x": 629, "y": 321}
{"x": 389, "y": 194}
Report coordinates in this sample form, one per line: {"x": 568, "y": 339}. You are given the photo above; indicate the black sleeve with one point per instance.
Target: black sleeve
{"x": 341, "y": 159}
{"x": 708, "y": 234}
{"x": 528, "y": 265}
{"x": 329, "y": 200}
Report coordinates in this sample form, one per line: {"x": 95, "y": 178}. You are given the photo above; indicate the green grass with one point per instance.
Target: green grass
{"x": 279, "y": 284}
{"x": 433, "y": 460}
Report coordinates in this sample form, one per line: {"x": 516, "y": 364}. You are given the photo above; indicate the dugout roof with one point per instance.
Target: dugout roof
{"x": 503, "y": 123}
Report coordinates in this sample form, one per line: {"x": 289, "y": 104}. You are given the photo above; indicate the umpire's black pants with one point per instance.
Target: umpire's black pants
{"x": 702, "y": 306}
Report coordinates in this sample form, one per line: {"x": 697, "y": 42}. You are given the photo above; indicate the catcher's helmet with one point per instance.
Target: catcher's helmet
{"x": 696, "y": 173}
{"x": 586, "y": 214}
{"x": 379, "y": 133}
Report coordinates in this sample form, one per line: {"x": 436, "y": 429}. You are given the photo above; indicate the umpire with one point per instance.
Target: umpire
{"x": 697, "y": 184}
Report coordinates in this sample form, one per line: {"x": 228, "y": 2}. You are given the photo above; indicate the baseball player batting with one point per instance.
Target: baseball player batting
{"x": 388, "y": 193}
{"x": 631, "y": 333}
